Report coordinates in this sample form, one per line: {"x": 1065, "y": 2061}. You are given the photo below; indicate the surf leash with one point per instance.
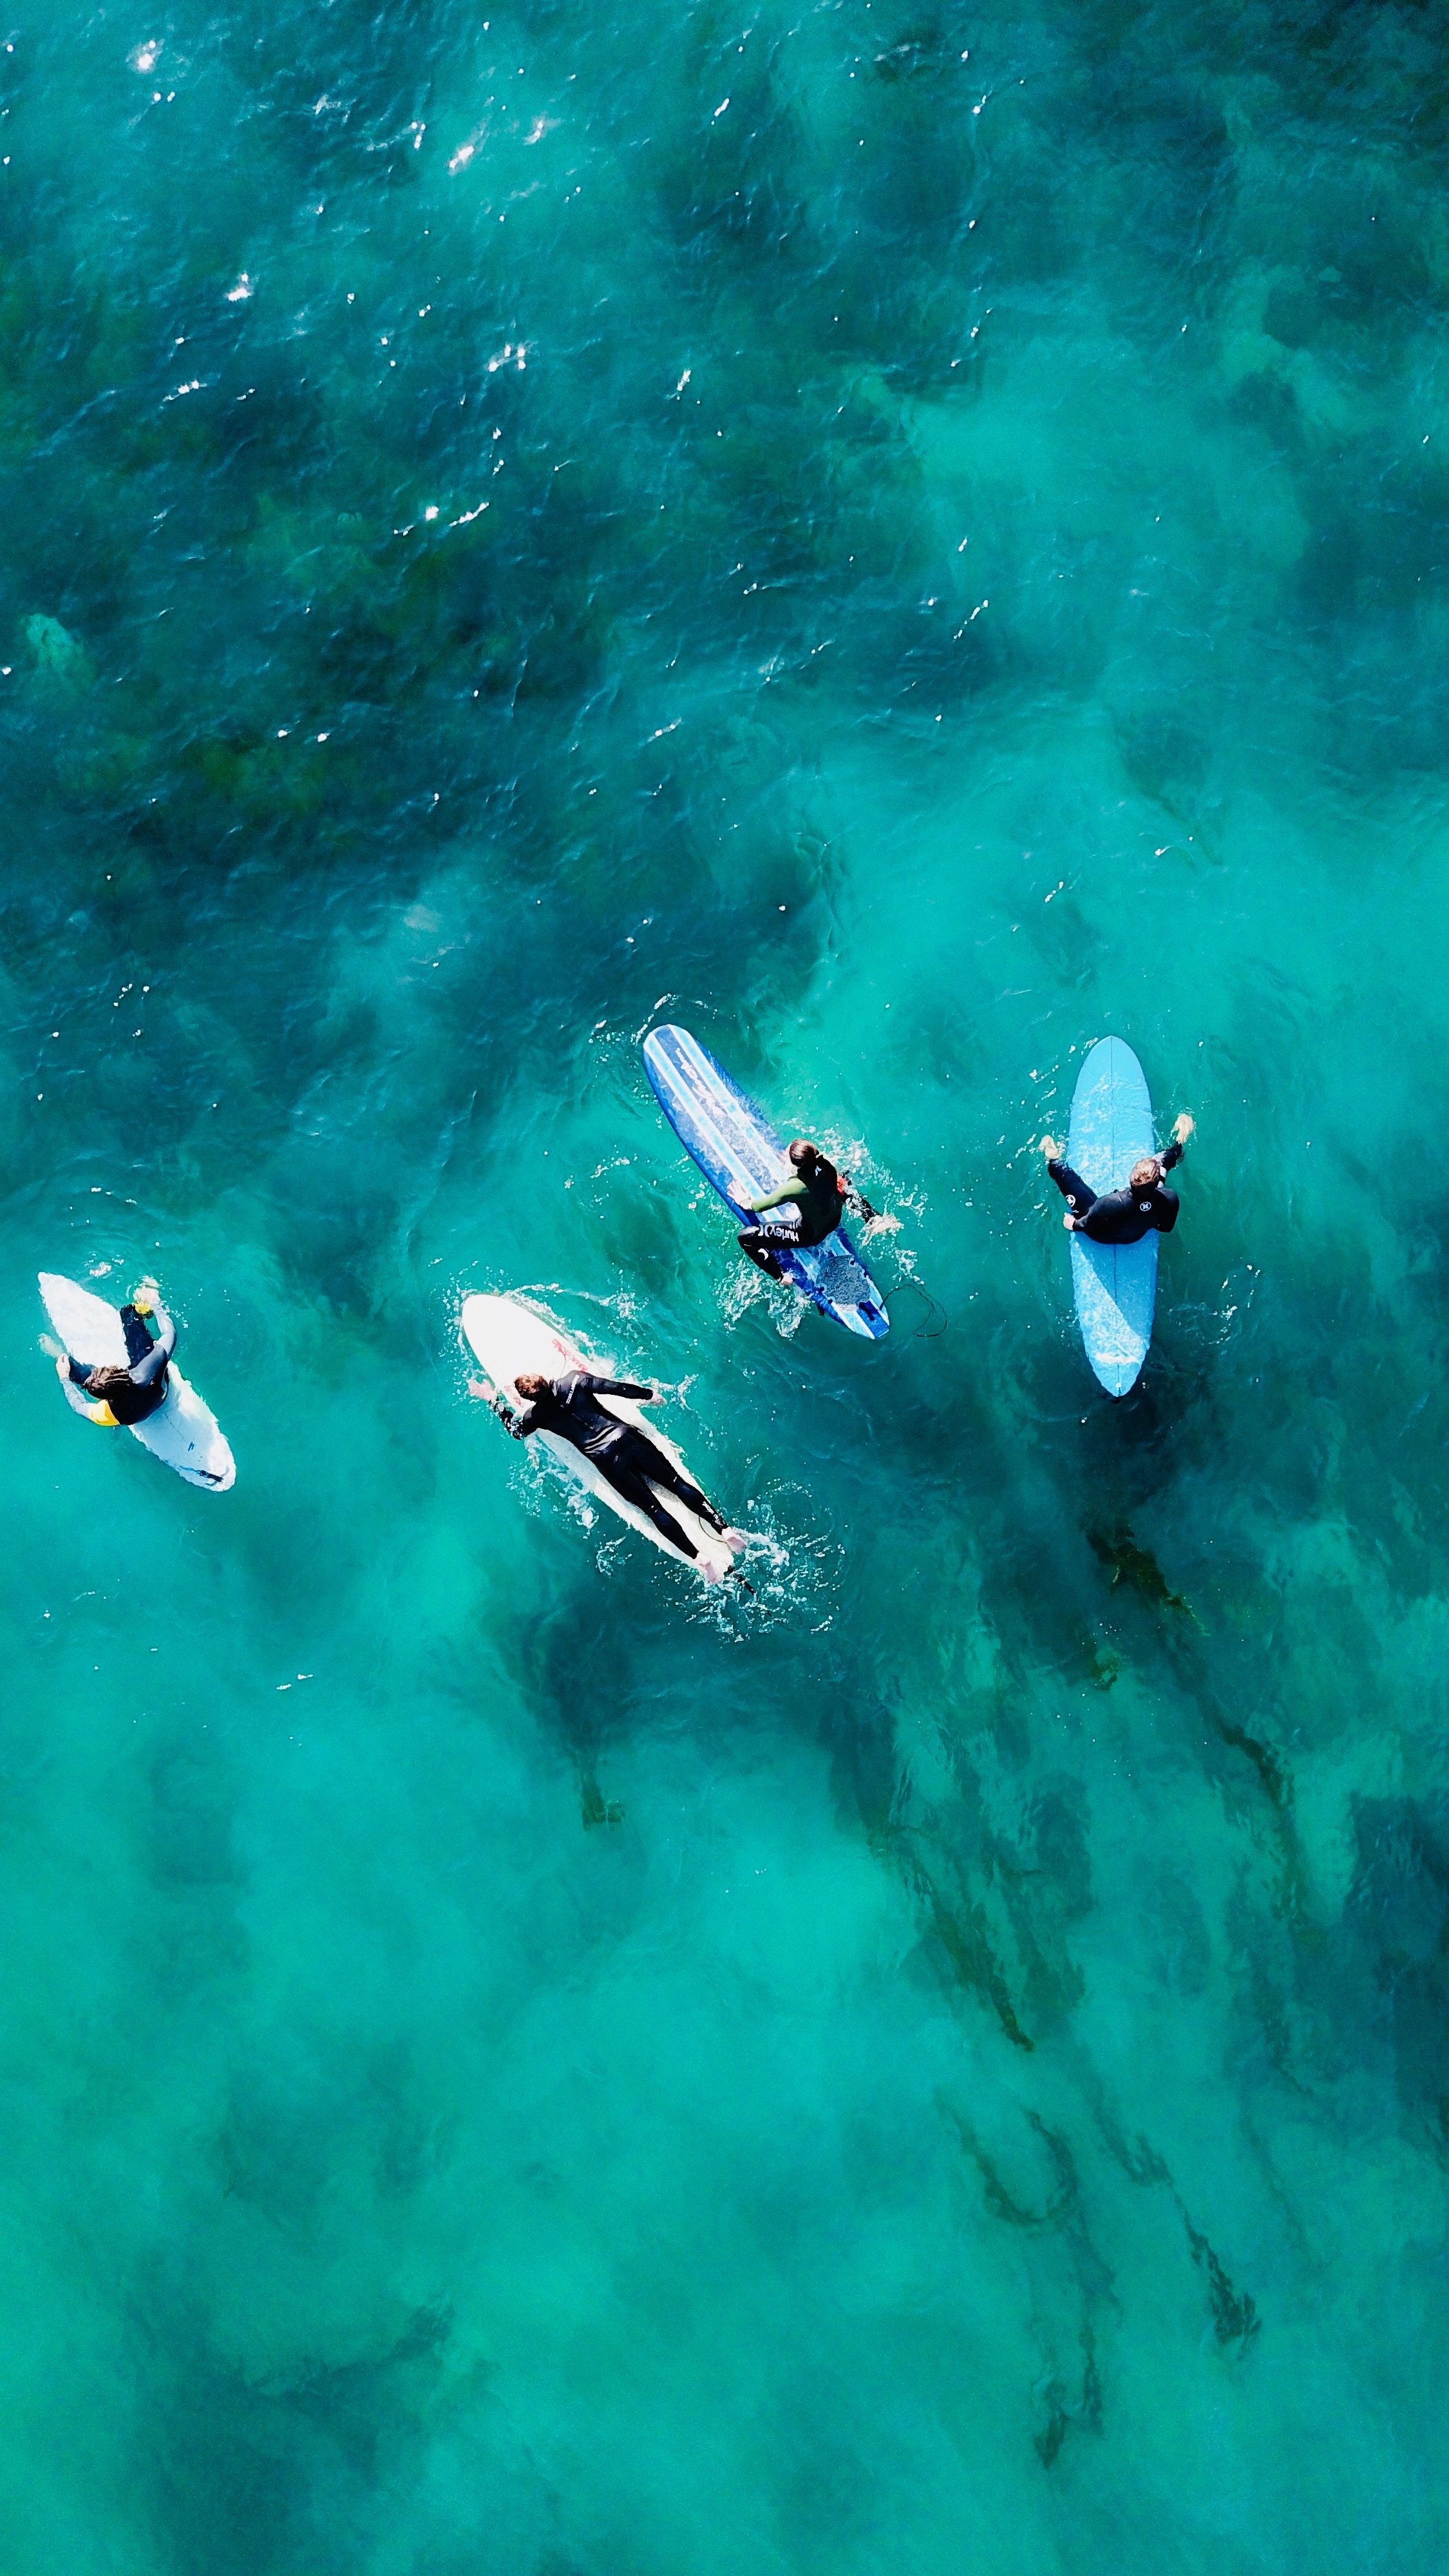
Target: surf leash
{"x": 925, "y": 1331}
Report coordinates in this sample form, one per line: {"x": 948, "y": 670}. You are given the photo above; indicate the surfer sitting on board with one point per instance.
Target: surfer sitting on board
{"x": 820, "y": 1195}
{"x": 623, "y": 1454}
{"x": 1126, "y": 1215}
{"x": 125, "y": 1395}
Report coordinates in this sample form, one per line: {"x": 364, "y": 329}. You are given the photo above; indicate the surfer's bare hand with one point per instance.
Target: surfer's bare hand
{"x": 1182, "y": 1127}
{"x": 480, "y": 1387}
{"x": 1070, "y": 1222}
{"x": 1050, "y": 1148}
{"x": 62, "y": 1367}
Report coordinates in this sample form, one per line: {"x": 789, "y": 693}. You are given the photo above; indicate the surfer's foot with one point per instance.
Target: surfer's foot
{"x": 712, "y": 1573}
{"x": 735, "y": 1539}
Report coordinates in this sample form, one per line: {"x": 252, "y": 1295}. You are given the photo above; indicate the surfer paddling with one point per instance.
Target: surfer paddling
{"x": 1144, "y": 1206}
{"x": 624, "y": 1455}
{"x": 125, "y": 1395}
{"x": 816, "y": 1190}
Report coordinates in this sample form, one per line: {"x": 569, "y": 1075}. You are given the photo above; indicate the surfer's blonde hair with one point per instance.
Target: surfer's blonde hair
{"x": 1146, "y": 1172}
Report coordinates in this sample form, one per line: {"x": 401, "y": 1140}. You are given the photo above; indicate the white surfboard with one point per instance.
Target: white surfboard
{"x": 183, "y": 1432}
{"x": 511, "y": 1340}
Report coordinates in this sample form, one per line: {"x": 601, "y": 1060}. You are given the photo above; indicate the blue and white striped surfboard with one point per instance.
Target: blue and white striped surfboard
{"x": 734, "y": 1143}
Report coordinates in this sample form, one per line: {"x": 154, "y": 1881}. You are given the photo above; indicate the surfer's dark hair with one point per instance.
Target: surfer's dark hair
{"x": 530, "y": 1384}
{"x": 106, "y": 1382}
{"x": 804, "y": 1155}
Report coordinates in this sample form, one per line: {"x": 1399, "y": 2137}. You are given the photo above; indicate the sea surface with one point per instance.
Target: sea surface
{"x": 905, "y": 538}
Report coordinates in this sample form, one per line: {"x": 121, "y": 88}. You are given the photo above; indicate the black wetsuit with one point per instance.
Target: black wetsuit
{"x": 622, "y": 1453}
{"x": 1119, "y": 1216}
{"x": 821, "y": 1202}
{"x": 148, "y": 1360}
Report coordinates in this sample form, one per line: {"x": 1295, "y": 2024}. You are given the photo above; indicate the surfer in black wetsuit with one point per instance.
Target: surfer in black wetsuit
{"x": 624, "y": 1455}
{"x": 126, "y": 1395}
{"x": 820, "y": 1194}
{"x": 1125, "y": 1215}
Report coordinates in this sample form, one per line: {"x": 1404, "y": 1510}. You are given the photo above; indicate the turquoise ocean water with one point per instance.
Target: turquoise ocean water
{"x": 904, "y": 539}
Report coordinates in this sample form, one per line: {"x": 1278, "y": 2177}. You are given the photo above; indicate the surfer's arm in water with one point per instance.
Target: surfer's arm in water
{"x": 1182, "y": 1128}
{"x": 517, "y": 1424}
{"x": 72, "y": 1379}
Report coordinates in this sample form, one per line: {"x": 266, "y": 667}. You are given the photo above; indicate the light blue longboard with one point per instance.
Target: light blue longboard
{"x": 1115, "y": 1283}
{"x": 733, "y": 1142}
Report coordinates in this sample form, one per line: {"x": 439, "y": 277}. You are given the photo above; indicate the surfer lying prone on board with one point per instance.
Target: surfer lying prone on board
{"x": 625, "y": 1456}
{"x": 125, "y": 1395}
{"x": 1125, "y": 1215}
{"x": 820, "y": 1194}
